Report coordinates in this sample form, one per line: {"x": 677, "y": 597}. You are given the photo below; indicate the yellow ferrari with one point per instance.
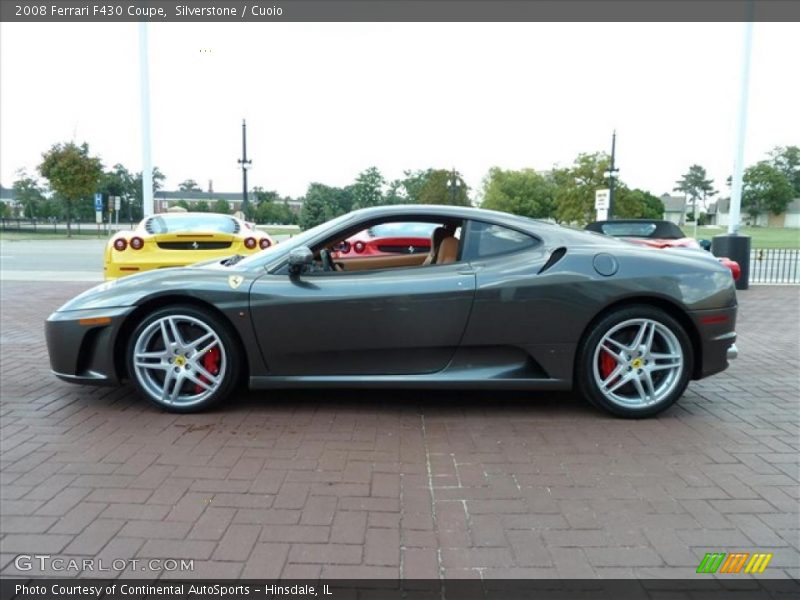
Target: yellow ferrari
{"x": 180, "y": 239}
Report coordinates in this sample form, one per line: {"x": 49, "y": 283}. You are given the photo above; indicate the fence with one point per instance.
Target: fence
{"x": 775, "y": 265}
{"x": 48, "y": 226}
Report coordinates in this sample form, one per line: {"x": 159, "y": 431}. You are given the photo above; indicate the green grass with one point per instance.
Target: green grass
{"x": 279, "y": 229}
{"x": 761, "y": 237}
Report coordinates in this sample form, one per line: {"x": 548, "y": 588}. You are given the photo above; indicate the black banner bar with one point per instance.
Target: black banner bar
{"x": 198, "y": 11}
{"x": 700, "y": 588}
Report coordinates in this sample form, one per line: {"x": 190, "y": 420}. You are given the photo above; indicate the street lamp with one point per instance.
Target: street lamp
{"x": 611, "y": 173}
{"x": 246, "y": 164}
{"x": 453, "y": 183}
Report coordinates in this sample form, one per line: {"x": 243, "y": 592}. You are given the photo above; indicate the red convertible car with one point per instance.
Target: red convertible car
{"x": 655, "y": 234}
{"x": 386, "y": 239}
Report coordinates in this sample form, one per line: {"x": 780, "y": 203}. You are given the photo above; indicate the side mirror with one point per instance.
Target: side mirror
{"x": 705, "y": 244}
{"x": 299, "y": 259}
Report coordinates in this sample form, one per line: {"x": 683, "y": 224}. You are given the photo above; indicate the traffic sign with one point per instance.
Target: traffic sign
{"x": 117, "y": 203}
{"x": 98, "y": 202}
{"x": 601, "y": 199}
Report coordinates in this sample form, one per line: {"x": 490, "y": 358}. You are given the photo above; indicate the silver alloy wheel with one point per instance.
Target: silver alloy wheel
{"x": 168, "y": 360}
{"x": 647, "y": 363}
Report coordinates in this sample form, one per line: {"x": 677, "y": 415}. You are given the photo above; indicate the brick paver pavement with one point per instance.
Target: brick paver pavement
{"x": 412, "y": 484}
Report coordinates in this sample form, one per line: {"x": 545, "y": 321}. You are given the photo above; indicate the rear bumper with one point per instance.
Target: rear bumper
{"x": 717, "y": 336}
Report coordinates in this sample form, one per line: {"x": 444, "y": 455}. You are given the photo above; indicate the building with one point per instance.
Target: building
{"x": 675, "y": 208}
{"x": 790, "y": 218}
{"x": 164, "y": 200}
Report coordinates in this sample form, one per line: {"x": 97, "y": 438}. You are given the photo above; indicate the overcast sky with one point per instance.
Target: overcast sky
{"x": 325, "y": 101}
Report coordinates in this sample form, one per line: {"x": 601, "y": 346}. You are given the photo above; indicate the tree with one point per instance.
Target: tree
{"x": 190, "y": 185}
{"x": 637, "y": 204}
{"x": 443, "y": 187}
{"x": 221, "y": 206}
{"x": 183, "y": 204}
{"x": 158, "y": 183}
{"x": 765, "y": 188}
{"x": 368, "y": 188}
{"x": 201, "y": 206}
{"x": 524, "y": 192}
{"x": 5, "y": 210}
{"x": 270, "y": 207}
{"x": 29, "y": 194}
{"x": 119, "y": 182}
{"x": 408, "y": 189}
{"x": 323, "y": 203}
{"x": 787, "y": 161}
{"x": 696, "y": 185}
{"x": 576, "y": 186}
{"x": 71, "y": 173}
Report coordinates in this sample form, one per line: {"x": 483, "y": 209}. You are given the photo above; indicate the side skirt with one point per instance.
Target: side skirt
{"x": 405, "y": 382}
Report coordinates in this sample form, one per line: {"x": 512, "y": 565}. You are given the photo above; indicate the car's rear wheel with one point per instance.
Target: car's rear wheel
{"x": 183, "y": 358}
{"x": 635, "y": 362}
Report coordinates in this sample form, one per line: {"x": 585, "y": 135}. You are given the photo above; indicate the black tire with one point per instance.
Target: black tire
{"x": 190, "y": 319}
{"x": 585, "y": 366}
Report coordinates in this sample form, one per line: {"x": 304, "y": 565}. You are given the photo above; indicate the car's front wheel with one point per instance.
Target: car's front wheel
{"x": 635, "y": 362}
{"x": 183, "y": 358}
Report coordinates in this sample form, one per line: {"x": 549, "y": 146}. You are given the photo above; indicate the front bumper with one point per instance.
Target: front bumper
{"x": 83, "y": 352}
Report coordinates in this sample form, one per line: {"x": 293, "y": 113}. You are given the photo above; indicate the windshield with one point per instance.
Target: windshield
{"x": 301, "y": 239}
{"x": 183, "y": 223}
{"x": 641, "y": 229}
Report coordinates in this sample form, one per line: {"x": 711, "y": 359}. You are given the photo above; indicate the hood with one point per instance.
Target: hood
{"x": 135, "y": 289}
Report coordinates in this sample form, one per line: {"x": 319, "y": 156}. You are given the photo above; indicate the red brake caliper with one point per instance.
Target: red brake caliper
{"x": 607, "y": 364}
{"x": 211, "y": 364}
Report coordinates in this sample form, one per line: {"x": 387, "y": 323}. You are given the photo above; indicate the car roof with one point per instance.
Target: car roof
{"x": 445, "y": 210}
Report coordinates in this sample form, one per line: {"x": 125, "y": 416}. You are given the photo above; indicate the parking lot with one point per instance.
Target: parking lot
{"x": 411, "y": 484}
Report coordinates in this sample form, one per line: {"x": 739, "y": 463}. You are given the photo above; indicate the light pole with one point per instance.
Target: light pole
{"x": 245, "y": 166}
{"x": 453, "y": 183}
{"x": 611, "y": 173}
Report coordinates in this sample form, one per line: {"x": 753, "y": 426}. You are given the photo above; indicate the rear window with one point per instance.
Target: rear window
{"x": 486, "y": 240}
{"x": 182, "y": 223}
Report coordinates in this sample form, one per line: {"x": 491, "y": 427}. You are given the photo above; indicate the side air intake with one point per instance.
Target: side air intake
{"x": 555, "y": 256}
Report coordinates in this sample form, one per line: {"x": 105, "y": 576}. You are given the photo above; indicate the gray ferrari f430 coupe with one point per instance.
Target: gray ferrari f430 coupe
{"x": 498, "y": 301}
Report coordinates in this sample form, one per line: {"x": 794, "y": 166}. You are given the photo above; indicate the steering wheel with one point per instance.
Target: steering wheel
{"x": 327, "y": 261}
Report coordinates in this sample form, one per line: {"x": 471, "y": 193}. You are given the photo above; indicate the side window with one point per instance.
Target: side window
{"x": 486, "y": 239}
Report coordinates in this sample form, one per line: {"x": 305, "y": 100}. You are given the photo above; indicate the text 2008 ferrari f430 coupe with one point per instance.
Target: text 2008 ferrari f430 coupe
{"x": 498, "y": 301}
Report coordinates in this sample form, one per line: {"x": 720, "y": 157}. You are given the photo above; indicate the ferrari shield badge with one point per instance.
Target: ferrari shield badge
{"x": 235, "y": 281}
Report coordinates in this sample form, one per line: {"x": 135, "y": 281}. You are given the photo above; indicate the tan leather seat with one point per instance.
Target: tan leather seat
{"x": 436, "y": 239}
{"x": 448, "y": 251}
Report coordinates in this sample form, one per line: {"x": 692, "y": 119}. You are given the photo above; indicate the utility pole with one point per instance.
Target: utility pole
{"x": 453, "y": 184}
{"x": 144, "y": 92}
{"x": 734, "y": 245}
{"x": 612, "y": 174}
{"x": 245, "y": 166}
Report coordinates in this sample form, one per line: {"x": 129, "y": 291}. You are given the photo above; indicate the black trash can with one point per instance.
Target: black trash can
{"x": 735, "y": 247}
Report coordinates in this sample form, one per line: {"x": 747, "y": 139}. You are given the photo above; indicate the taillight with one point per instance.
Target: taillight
{"x": 736, "y": 271}
{"x": 250, "y": 243}
{"x": 137, "y": 243}
{"x": 345, "y": 247}
{"x": 264, "y": 243}
{"x": 359, "y": 247}
{"x": 120, "y": 244}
